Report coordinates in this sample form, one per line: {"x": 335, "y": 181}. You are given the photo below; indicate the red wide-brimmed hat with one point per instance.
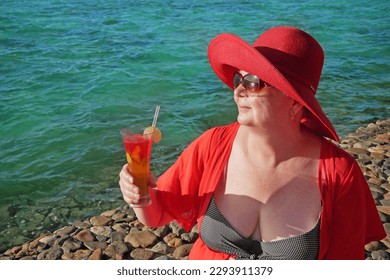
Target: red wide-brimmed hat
{"x": 285, "y": 57}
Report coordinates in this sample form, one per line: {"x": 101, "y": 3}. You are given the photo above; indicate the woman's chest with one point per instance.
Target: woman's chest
{"x": 267, "y": 204}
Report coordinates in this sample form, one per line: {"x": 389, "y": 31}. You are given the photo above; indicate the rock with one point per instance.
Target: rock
{"x": 386, "y": 226}
{"x": 118, "y": 236}
{"x": 93, "y": 245}
{"x": 121, "y": 227}
{"x": 375, "y": 181}
{"x": 96, "y": 255}
{"x": 65, "y": 231}
{"x": 169, "y": 237}
{"x": 182, "y": 251}
{"x": 386, "y": 241}
{"x": 13, "y": 250}
{"x": 118, "y": 216}
{"x": 81, "y": 225}
{"x": 101, "y": 230}
{"x": 78, "y": 255}
{"x": 85, "y": 235}
{"x": 373, "y": 246}
{"x": 116, "y": 250}
{"x": 119, "y": 247}
{"x": 189, "y": 237}
{"x": 164, "y": 258}
{"x": 27, "y": 258}
{"x": 54, "y": 253}
{"x": 109, "y": 213}
{"x": 357, "y": 151}
{"x": 71, "y": 245}
{"x": 141, "y": 239}
{"x": 161, "y": 231}
{"x": 141, "y": 254}
{"x": 380, "y": 255}
{"x": 176, "y": 228}
{"x": 384, "y": 209}
{"x": 160, "y": 248}
{"x": 175, "y": 242}
{"x": 100, "y": 220}
{"x": 195, "y": 228}
{"x": 136, "y": 225}
{"x": 34, "y": 244}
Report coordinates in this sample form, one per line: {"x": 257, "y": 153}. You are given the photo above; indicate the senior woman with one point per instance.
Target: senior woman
{"x": 271, "y": 185}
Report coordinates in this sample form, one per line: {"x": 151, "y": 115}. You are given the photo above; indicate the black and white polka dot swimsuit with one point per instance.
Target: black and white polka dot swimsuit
{"x": 217, "y": 233}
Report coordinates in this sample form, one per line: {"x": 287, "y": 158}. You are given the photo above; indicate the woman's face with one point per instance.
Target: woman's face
{"x": 265, "y": 107}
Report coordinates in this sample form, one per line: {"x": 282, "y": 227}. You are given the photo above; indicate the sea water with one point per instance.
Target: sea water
{"x": 73, "y": 73}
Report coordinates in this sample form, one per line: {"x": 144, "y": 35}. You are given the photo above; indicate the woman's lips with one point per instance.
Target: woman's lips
{"x": 243, "y": 106}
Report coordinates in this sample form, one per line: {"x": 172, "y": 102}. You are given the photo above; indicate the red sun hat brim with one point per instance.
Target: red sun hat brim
{"x": 228, "y": 53}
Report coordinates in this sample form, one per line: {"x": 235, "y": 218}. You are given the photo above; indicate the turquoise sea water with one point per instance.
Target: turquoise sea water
{"x": 73, "y": 73}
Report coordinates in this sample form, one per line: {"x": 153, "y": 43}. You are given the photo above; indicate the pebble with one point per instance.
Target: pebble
{"x": 117, "y": 234}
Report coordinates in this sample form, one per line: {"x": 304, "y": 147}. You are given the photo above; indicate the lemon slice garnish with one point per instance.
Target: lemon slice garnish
{"x": 157, "y": 135}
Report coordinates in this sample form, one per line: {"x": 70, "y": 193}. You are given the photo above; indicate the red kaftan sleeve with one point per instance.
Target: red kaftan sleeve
{"x": 353, "y": 220}
{"x": 178, "y": 186}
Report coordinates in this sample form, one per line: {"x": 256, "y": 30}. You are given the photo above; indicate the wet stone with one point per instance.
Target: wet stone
{"x": 101, "y": 230}
{"x": 65, "y": 231}
{"x": 373, "y": 246}
{"x": 118, "y": 216}
{"x": 78, "y": 255}
{"x": 175, "y": 242}
{"x": 82, "y": 225}
{"x": 85, "y": 235}
{"x": 101, "y": 238}
{"x": 93, "y": 245}
{"x": 109, "y": 213}
{"x": 100, "y": 220}
{"x": 96, "y": 254}
{"x": 189, "y": 237}
{"x": 54, "y": 253}
{"x": 182, "y": 251}
{"x": 71, "y": 245}
{"x": 176, "y": 228}
{"x": 141, "y": 239}
{"x": 160, "y": 248}
{"x": 118, "y": 236}
{"x": 141, "y": 254}
{"x": 380, "y": 255}
{"x": 47, "y": 239}
{"x": 116, "y": 250}
{"x": 169, "y": 237}
{"x": 121, "y": 227}
{"x": 161, "y": 231}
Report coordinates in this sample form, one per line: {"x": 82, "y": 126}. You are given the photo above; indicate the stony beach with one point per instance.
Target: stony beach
{"x": 117, "y": 234}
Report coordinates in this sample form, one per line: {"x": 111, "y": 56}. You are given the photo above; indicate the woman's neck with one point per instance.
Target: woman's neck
{"x": 275, "y": 145}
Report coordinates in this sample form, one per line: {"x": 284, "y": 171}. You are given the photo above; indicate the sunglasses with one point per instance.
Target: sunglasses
{"x": 249, "y": 82}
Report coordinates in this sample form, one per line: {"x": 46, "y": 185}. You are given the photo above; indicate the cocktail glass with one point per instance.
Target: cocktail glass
{"x": 138, "y": 147}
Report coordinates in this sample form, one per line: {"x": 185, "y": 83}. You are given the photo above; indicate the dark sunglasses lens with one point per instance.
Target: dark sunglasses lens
{"x": 237, "y": 80}
{"x": 251, "y": 82}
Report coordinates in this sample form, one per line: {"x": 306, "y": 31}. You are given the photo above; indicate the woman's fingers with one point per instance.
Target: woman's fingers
{"x": 130, "y": 192}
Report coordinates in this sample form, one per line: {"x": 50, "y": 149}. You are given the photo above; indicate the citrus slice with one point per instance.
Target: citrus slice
{"x": 157, "y": 135}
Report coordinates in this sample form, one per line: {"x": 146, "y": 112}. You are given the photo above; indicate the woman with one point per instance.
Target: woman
{"x": 270, "y": 186}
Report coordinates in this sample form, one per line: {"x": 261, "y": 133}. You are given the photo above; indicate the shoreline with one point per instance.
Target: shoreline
{"x": 117, "y": 234}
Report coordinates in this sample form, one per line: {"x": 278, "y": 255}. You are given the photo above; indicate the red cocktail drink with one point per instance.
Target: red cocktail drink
{"x": 138, "y": 147}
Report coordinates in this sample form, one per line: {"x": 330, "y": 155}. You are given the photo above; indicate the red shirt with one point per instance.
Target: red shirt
{"x": 349, "y": 218}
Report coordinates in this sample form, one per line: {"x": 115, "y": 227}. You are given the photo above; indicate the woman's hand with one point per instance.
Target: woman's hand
{"x": 131, "y": 192}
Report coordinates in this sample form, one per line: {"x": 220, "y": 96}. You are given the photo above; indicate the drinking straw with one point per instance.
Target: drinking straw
{"x": 156, "y": 115}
